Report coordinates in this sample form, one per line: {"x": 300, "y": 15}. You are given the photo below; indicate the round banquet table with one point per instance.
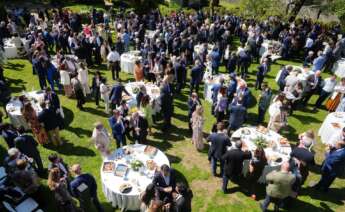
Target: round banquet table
{"x": 152, "y": 90}
{"x": 339, "y": 68}
{"x": 14, "y": 107}
{"x": 111, "y": 183}
{"x": 332, "y": 125}
{"x": 128, "y": 61}
{"x": 197, "y": 48}
{"x": 247, "y": 134}
{"x": 10, "y": 50}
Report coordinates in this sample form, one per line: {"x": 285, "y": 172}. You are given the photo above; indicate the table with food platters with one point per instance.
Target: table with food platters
{"x": 128, "y": 171}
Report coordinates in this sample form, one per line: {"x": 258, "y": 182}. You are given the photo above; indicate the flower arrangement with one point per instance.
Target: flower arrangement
{"x": 260, "y": 142}
{"x": 136, "y": 165}
{"x": 135, "y": 90}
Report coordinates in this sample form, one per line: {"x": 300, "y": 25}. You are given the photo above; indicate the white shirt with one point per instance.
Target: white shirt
{"x": 329, "y": 85}
{"x": 113, "y": 56}
{"x": 309, "y": 43}
{"x": 82, "y": 76}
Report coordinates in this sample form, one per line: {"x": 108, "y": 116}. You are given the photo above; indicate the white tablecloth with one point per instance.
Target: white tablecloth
{"x": 339, "y": 68}
{"x": 11, "y": 50}
{"x": 327, "y": 130}
{"x": 111, "y": 183}
{"x": 279, "y": 152}
{"x": 197, "y": 48}
{"x": 152, "y": 90}
{"x": 128, "y": 61}
{"x": 14, "y": 107}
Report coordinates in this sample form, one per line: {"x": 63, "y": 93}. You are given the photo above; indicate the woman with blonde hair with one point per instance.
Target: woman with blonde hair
{"x": 146, "y": 108}
{"x": 197, "y": 127}
{"x": 100, "y": 138}
{"x": 31, "y": 118}
{"x": 63, "y": 198}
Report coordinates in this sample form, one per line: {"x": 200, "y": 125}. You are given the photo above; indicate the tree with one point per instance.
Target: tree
{"x": 142, "y": 6}
{"x": 296, "y": 7}
{"x": 261, "y": 9}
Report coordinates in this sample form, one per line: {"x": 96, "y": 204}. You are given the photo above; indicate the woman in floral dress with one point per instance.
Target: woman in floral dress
{"x": 31, "y": 118}
{"x": 197, "y": 126}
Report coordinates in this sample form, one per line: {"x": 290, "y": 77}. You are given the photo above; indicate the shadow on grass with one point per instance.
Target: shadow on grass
{"x": 96, "y": 112}
{"x": 15, "y": 85}
{"x": 71, "y": 149}
{"x": 14, "y": 66}
{"x": 334, "y": 195}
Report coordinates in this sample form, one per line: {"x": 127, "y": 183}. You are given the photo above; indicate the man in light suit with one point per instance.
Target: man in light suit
{"x": 333, "y": 166}
{"x": 319, "y": 62}
{"x": 313, "y": 86}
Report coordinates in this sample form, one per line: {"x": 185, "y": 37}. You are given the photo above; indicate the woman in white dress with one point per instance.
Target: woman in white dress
{"x": 104, "y": 90}
{"x": 65, "y": 81}
{"x": 101, "y": 139}
{"x": 83, "y": 77}
{"x": 197, "y": 126}
{"x": 278, "y": 116}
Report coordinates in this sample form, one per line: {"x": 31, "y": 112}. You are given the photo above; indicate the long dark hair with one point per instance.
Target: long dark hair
{"x": 149, "y": 194}
{"x": 259, "y": 153}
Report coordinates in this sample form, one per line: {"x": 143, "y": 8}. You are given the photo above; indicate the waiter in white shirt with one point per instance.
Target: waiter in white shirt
{"x": 114, "y": 63}
{"x": 326, "y": 91}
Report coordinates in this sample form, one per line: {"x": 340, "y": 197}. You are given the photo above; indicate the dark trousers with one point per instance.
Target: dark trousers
{"x": 97, "y": 95}
{"x": 261, "y": 115}
{"x": 42, "y": 81}
{"x": 326, "y": 180}
{"x": 115, "y": 70}
{"x": 220, "y": 116}
{"x": 120, "y": 139}
{"x": 39, "y": 163}
{"x": 226, "y": 181}
{"x": 323, "y": 96}
{"x": 244, "y": 71}
{"x": 307, "y": 96}
{"x": 97, "y": 204}
{"x": 214, "y": 166}
{"x": 194, "y": 86}
{"x": 258, "y": 82}
{"x": 215, "y": 70}
{"x": 269, "y": 199}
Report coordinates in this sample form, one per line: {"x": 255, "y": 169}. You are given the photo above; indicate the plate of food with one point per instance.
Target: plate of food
{"x": 150, "y": 150}
{"x": 262, "y": 129}
{"x": 284, "y": 141}
{"x": 108, "y": 167}
{"x": 121, "y": 170}
{"x": 338, "y": 115}
{"x": 245, "y": 131}
{"x": 151, "y": 165}
{"x": 336, "y": 125}
{"x": 125, "y": 188}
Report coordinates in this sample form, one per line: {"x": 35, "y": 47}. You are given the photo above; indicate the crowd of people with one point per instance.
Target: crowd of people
{"x": 62, "y": 50}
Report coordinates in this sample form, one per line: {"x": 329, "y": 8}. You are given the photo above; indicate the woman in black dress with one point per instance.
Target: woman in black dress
{"x": 256, "y": 166}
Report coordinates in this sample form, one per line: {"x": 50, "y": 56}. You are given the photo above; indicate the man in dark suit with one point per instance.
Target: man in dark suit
{"x": 219, "y": 144}
{"x": 87, "y": 180}
{"x": 243, "y": 93}
{"x": 238, "y": 114}
{"x": 52, "y": 98}
{"x": 233, "y": 163}
{"x": 284, "y": 73}
{"x": 165, "y": 183}
{"x": 167, "y": 104}
{"x": 179, "y": 70}
{"x": 115, "y": 95}
{"x": 117, "y": 128}
{"x": 8, "y": 132}
{"x": 313, "y": 86}
{"x": 333, "y": 166}
{"x": 140, "y": 127}
{"x": 232, "y": 87}
{"x": 260, "y": 75}
{"x": 28, "y": 146}
{"x": 50, "y": 122}
{"x": 196, "y": 75}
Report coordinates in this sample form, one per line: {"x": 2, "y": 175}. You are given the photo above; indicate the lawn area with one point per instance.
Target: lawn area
{"x": 192, "y": 166}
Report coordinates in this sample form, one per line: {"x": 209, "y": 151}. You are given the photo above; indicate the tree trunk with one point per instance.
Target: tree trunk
{"x": 318, "y": 14}
{"x": 297, "y": 6}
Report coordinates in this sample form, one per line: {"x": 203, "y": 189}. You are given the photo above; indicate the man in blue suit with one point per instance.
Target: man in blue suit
{"x": 196, "y": 75}
{"x": 319, "y": 62}
{"x": 284, "y": 73}
{"x": 260, "y": 75}
{"x": 87, "y": 180}
{"x": 238, "y": 115}
{"x": 232, "y": 87}
{"x": 333, "y": 166}
{"x": 215, "y": 60}
{"x": 116, "y": 94}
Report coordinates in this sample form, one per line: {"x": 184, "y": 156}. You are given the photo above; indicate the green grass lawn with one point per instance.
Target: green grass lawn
{"x": 192, "y": 166}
